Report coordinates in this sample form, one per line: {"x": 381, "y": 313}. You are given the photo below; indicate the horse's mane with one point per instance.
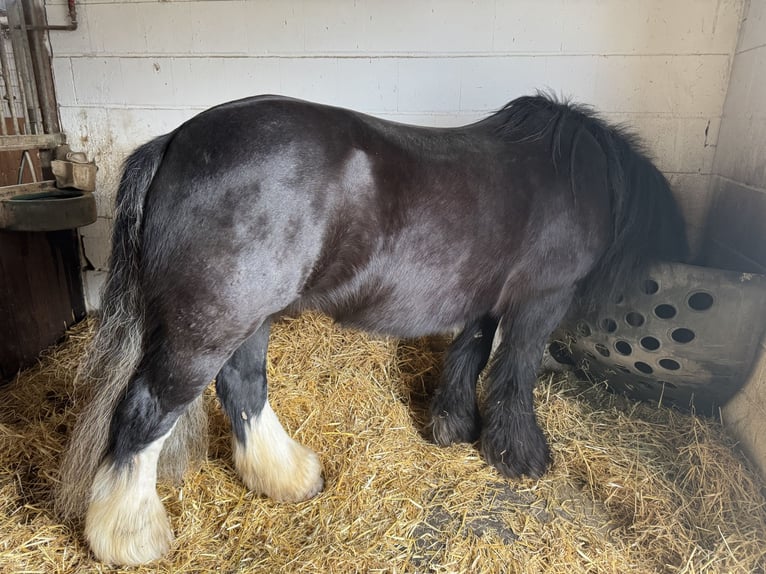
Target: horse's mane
{"x": 637, "y": 188}
{"x": 544, "y": 115}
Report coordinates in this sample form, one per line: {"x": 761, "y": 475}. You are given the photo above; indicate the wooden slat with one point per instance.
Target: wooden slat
{"x": 22, "y": 142}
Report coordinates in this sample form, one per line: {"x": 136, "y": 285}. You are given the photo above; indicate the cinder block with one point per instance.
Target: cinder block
{"x": 64, "y": 81}
{"x": 451, "y": 26}
{"x": 68, "y": 42}
{"x": 99, "y": 228}
{"x": 219, "y": 28}
{"x": 129, "y": 128}
{"x": 747, "y": 86}
{"x": 147, "y": 82}
{"x": 87, "y": 2}
{"x": 167, "y": 27}
{"x": 693, "y": 193}
{"x": 520, "y": 27}
{"x": 678, "y": 85}
{"x": 686, "y": 86}
{"x": 84, "y": 128}
{"x": 309, "y": 78}
{"x": 96, "y": 242}
{"x": 115, "y": 29}
{"x": 98, "y": 81}
{"x": 488, "y": 83}
{"x": 223, "y": 79}
{"x": 429, "y": 85}
{"x": 618, "y": 27}
{"x": 93, "y": 285}
{"x": 576, "y": 77}
{"x": 275, "y": 26}
{"x": 682, "y": 86}
{"x": 676, "y": 144}
{"x": 753, "y": 31}
{"x": 742, "y": 140}
{"x": 367, "y": 84}
{"x": 736, "y": 222}
{"x": 253, "y": 76}
{"x": 741, "y": 149}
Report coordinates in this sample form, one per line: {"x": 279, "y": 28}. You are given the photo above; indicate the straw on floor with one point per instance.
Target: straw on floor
{"x": 634, "y": 487}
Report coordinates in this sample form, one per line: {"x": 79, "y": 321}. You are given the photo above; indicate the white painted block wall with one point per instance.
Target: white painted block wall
{"x": 137, "y": 69}
{"x": 740, "y": 168}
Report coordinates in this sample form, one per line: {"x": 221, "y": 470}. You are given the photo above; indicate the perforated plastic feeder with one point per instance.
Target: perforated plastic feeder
{"x": 685, "y": 335}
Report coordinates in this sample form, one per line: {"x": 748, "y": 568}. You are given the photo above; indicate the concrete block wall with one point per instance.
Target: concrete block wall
{"x": 736, "y": 233}
{"x": 136, "y": 69}
{"x": 738, "y": 182}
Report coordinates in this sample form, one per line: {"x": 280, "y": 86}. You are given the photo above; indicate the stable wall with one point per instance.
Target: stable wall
{"x": 736, "y": 231}
{"x": 137, "y": 69}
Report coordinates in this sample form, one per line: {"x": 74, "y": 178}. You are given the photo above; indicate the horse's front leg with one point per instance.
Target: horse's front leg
{"x": 511, "y": 439}
{"x": 454, "y": 412}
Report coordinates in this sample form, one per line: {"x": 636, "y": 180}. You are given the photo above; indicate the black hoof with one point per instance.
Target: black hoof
{"x": 516, "y": 450}
{"x": 451, "y": 428}
{"x": 452, "y": 424}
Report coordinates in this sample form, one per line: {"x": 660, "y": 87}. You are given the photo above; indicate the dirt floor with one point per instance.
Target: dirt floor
{"x": 634, "y": 487}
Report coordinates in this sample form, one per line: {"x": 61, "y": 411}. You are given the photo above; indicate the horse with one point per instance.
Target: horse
{"x": 270, "y": 205}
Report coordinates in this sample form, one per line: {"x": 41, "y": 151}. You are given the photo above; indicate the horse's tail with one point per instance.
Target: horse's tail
{"x": 117, "y": 346}
{"x": 646, "y": 222}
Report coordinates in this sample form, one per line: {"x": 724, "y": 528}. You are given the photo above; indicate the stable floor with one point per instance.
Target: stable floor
{"x": 634, "y": 487}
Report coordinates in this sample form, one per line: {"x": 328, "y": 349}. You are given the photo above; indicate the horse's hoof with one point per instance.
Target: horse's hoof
{"x": 126, "y": 523}
{"x": 512, "y": 467}
{"x": 451, "y": 428}
{"x": 527, "y": 454}
{"x": 291, "y": 474}
{"x": 273, "y": 464}
{"x": 453, "y": 421}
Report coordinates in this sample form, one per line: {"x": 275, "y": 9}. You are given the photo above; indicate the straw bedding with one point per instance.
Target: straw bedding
{"x": 634, "y": 487}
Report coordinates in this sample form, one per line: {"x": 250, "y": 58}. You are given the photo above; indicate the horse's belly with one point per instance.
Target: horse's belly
{"x": 399, "y": 322}
{"x": 409, "y": 304}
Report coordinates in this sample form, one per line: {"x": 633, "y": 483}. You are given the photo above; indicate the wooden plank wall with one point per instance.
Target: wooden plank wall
{"x": 40, "y": 294}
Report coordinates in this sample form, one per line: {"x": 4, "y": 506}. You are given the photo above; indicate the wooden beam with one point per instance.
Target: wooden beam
{"x": 23, "y": 142}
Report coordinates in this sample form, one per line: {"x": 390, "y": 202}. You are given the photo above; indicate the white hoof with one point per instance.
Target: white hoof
{"x": 126, "y": 523}
{"x": 273, "y": 464}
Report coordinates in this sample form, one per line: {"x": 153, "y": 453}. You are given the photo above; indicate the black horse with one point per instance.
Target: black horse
{"x": 271, "y": 205}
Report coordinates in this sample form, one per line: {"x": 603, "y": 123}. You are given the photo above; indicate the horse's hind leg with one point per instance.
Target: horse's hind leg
{"x": 266, "y": 458}
{"x": 126, "y": 522}
{"x": 454, "y": 412}
{"x": 511, "y": 440}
